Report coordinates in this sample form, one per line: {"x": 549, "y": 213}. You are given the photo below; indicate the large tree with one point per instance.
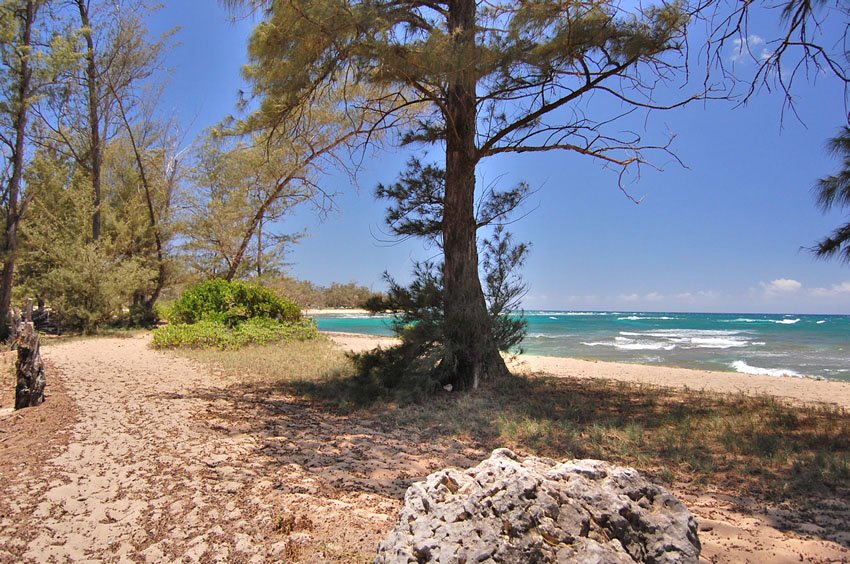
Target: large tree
{"x": 482, "y": 79}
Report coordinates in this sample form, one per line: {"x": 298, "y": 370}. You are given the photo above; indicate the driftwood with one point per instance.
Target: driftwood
{"x": 29, "y": 367}
{"x": 40, "y": 318}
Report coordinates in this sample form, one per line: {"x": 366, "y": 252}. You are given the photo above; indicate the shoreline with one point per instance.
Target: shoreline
{"x": 334, "y": 311}
{"x": 794, "y": 389}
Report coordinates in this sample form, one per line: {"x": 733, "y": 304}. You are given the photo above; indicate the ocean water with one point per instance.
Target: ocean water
{"x": 816, "y": 346}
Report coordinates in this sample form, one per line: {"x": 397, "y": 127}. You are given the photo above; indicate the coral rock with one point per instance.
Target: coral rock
{"x": 508, "y": 509}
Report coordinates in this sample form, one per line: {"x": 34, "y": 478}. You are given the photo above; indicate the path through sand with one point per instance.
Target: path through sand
{"x": 157, "y": 469}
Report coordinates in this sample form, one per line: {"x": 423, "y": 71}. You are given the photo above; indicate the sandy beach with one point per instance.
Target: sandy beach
{"x": 335, "y": 311}
{"x": 140, "y": 455}
{"x": 795, "y": 390}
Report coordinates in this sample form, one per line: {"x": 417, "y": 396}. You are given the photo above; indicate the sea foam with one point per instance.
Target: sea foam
{"x": 744, "y": 368}
{"x": 695, "y": 337}
{"x": 650, "y": 318}
{"x": 624, "y": 344}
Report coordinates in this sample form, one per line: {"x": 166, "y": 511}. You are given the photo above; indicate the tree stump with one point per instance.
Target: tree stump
{"x": 29, "y": 391}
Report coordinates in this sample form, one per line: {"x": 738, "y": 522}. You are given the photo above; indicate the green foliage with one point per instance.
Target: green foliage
{"x": 238, "y": 192}
{"x": 834, "y": 192}
{"x": 232, "y": 303}
{"x": 209, "y": 333}
{"x": 423, "y": 360}
{"x": 87, "y": 284}
{"x": 230, "y": 315}
{"x": 92, "y": 289}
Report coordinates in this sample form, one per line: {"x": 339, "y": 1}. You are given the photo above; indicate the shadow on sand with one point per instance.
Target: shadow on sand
{"x": 755, "y": 452}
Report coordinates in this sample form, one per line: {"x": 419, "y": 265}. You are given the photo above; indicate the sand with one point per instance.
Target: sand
{"x": 141, "y": 456}
{"x": 167, "y": 460}
{"x": 336, "y": 311}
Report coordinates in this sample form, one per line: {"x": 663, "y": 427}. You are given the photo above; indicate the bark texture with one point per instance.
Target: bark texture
{"x": 471, "y": 354}
{"x": 31, "y": 380}
{"x": 96, "y": 151}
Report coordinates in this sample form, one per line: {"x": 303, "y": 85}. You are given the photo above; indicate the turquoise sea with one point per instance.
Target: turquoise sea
{"x": 815, "y": 346}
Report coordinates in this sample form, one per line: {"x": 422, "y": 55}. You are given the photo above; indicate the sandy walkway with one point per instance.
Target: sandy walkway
{"x": 167, "y": 461}
{"x": 139, "y": 456}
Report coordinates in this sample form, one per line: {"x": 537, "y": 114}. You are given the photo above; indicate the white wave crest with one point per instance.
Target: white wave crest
{"x": 549, "y": 335}
{"x": 717, "y": 343}
{"x": 630, "y": 345}
{"x": 683, "y": 333}
{"x": 785, "y": 321}
{"x": 645, "y": 346}
{"x": 821, "y": 322}
{"x": 647, "y": 318}
{"x": 744, "y": 368}
{"x": 566, "y": 313}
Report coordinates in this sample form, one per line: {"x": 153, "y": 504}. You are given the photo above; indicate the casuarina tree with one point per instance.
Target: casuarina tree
{"x": 477, "y": 80}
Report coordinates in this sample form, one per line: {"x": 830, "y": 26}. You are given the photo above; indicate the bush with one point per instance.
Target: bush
{"x": 232, "y": 303}
{"x": 215, "y": 334}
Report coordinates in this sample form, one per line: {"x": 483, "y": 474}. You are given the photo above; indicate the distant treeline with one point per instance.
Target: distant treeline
{"x": 310, "y": 295}
{"x": 306, "y": 294}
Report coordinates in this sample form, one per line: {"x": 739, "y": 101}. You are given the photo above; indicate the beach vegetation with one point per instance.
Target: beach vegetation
{"x": 223, "y": 314}
{"x": 337, "y": 295}
{"x": 215, "y": 334}
{"x": 18, "y": 85}
{"x": 231, "y": 303}
{"x": 88, "y": 219}
{"x": 238, "y": 191}
{"x": 416, "y": 210}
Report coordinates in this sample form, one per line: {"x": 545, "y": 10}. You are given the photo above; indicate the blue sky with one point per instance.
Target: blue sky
{"x": 724, "y": 234}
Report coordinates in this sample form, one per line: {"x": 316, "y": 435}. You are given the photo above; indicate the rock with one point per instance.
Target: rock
{"x": 536, "y": 510}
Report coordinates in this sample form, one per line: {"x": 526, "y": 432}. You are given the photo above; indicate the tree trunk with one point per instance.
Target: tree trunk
{"x": 13, "y": 215}
{"x": 471, "y": 355}
{"x": 96, "y": 157}
{"x": 260, "y": 249}
{"x": 161, "y": 272}
{"x": 29, "y": 390}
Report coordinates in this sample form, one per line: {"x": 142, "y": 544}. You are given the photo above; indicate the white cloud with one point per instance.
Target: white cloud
{"x": 699, "y": 295}
{"x": 781, "y": 286}
{"x": 834, "y": 290}
{"x": 653, "y": 297}
{"x": 629, "y": 297}
{"x": 744, "y": 49}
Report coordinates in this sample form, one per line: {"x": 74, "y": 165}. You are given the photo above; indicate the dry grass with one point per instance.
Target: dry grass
{"x": 759, "y": 446}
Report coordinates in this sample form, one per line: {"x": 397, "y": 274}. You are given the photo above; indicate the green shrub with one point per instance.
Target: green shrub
{"x": 232, "y": 303}
{"x": 215, "y": 334}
